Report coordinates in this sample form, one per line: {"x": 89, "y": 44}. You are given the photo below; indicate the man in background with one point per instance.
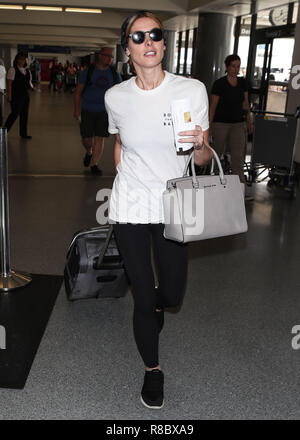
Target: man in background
{"x": 92, "y": 85}
{"x": 53, "y": 66}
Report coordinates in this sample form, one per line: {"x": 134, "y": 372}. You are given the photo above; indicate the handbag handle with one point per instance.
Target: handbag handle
{"x": 194, "y": 178}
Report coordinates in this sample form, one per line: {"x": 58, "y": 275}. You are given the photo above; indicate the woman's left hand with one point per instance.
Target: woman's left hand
{"x": 194, "y": 136}
{"x": 203, "y": 152}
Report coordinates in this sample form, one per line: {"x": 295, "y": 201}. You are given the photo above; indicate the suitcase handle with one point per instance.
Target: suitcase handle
{"x": 105, "y": 246}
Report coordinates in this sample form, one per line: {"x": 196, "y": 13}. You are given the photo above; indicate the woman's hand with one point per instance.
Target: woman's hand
{"x": 194, "y": 136}
{"x": 203, "y": 152}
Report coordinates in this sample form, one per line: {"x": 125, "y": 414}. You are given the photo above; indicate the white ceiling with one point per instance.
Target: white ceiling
{"x": 90, "y": 31}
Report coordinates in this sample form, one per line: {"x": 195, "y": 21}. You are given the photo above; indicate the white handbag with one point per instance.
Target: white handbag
{"x": 202, "y": 207}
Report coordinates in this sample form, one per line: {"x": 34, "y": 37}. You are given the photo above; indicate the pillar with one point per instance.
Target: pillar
{"x": 214, "y": 43}
{"x": 121, "y": 60}
{"x": 5, "y": 54}
{"x": 120, "y": 54}
{"x": 170, "y": 42}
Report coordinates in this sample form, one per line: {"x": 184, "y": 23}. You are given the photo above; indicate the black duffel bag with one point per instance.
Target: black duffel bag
{"x": 94, "y": 267}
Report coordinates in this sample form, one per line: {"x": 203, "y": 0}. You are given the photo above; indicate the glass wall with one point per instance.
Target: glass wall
{"x": 176, "y": 53}
{"x": 182, "y": 54}
{"x": 183, "y": 59}
{"x": 278, "y": 16}
{"x": 295, "y": 12}
{"x": 189, "y": 59}
{"x": 282, "y": 55}
{"x": 244, "y": 41}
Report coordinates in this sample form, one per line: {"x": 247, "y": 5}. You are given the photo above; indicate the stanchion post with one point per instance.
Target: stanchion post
{"x": 5, "y": 251}
{"x": 9, "y": 279}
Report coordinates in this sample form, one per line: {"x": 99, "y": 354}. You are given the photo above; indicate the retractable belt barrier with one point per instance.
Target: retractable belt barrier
{"x": 9, "y": 279}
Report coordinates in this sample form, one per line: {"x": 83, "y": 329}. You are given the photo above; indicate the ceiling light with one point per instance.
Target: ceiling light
{"x": 91, "y": 11}
{"x": 11, "y": 7}
{"x": 44, "y": 8}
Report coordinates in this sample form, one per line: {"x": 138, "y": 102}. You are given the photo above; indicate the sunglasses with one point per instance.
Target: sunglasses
{"x": 139, "y": 37}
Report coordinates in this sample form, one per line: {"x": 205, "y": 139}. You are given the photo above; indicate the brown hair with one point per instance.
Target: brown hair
{"x": 230, "y": 58}
{"x": 128, "y": 26}
{"x": 138, "y": 15}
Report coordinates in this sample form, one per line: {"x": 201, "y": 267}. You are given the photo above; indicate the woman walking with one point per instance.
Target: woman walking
{"x": 145, "y": 158}
{"x": 18, "y": 84}
{"x": 228, "y": 107}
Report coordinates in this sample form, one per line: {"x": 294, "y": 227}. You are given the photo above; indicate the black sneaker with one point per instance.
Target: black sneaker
{"x": 152, "y": 395}
{"x": 96, "y": 171}
{"x": 87, "y": 159}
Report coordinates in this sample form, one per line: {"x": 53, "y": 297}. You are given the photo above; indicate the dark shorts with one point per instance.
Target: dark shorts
{"x": 94, "y": 124}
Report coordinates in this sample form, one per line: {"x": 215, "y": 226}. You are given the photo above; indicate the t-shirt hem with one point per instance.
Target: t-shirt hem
{"x": 135, "y": 221}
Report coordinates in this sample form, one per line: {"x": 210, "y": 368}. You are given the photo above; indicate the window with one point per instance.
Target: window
{"x": 189, "y": 60}
{"x": 177, "y": 51}
{"x": 244, "y": 41}
{"x": 183, "y": 60}
{"x": 182, "y": 54}
{"x": 295, "y": 12}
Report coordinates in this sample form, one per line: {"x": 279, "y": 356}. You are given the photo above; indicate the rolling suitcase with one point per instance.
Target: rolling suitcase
{"x": 94, "y": 267}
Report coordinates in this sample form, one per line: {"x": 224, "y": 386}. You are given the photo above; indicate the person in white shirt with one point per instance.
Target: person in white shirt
{"x": 139, "y": 113}
{"x": 19, "y": 81}
{"x": 2, "y": 87}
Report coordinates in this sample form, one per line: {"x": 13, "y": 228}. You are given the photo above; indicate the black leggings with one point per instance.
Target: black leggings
{"x": 19, "y": 107}
{"x": 171, "y": 260}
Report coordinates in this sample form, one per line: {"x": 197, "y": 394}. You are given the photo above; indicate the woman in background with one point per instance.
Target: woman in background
{"x": 18, "y": 84}
{"x": 229, "y": 107}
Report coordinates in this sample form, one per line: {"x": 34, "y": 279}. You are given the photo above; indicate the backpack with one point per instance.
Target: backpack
{"x": 90, "y": 72}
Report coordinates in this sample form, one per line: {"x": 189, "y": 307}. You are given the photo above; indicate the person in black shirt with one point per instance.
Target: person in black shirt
{"x": 53, "y": 67}
{"x": 229, "y": 107}
{"x": 18, "y": 84}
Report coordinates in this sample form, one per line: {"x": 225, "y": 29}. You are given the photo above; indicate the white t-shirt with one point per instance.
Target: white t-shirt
{"x": 148, "y": 154}
{"x": 12, "y": 73}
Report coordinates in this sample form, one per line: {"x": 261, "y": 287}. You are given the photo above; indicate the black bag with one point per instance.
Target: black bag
{"x": 94, "y": 267}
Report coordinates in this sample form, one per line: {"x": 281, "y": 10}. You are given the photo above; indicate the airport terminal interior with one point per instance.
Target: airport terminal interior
{"x": 231, "y": 350}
